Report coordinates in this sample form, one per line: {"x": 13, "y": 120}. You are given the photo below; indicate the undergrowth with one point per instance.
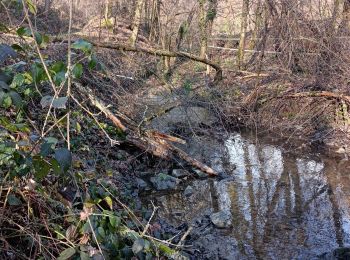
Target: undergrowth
{"x": 51, "y": 206}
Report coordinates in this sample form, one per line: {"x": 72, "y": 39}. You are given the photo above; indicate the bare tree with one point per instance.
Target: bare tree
{"x": 206, "y": 19}
{"x": 136, "y": 22}
{"x": 242, "y": 38}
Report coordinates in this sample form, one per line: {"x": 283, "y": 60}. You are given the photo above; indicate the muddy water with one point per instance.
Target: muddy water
{"x": 282, "y": 205}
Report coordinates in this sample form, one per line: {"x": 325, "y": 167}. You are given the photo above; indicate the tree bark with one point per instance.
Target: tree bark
{"x": 154, "y": 21}
{"x": 47, "y": 7}
{"x": 202, "y": 29}
{"x": 242, "y": 38}
{"x": 183, "y": 29}
{"x": 346, "y": 15}
{"x": 136, "y": 22}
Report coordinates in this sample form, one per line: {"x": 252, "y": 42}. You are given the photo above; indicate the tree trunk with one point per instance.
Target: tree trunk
{"x": 203, "y": 29}
{"x": 211, "y": 14}
{"x": 154, "y": 21}
{"x": 136, "y": 22}
{"x": 183, "y": 29}
{"x": 346, "y": 15}
{"x": 47, "y": 7}
{"x": 242, "y": 38}
{"x": 206, "y": 19}
{"x": 337, "y": 17}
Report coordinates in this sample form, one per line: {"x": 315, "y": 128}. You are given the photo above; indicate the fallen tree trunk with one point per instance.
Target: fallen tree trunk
{"x": 163, "y": 53}
{"x": 148, "y": 50}
{"x": 152, "y": 51}
{"x": 151, "y": 141}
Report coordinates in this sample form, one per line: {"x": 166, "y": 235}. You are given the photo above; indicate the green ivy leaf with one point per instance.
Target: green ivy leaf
{"x": 45, "y": 41}
{"x": 83, "y": 45}
{"x": 58, "y": 66}
{"x": 48, "y": 146}
{"x": 109, "y": 201}
{"x": 41, "y": 167}
{"x": 38, "y": 38}
{"x": 17, "y": 47}
{"x": 23, "y": 31}
{"x": 7, "y": 101}
{"x": 60, "y": 103}
{"x": 64, "y": 158}
{"x": 101, "y": 232}
{"x": 46, "y": 101}
{"x": 55, "y": 166}
{"x": 5, "y": 77}
{"x": 32, "y": 8}
{"x": 38, "y": 73}
{"x": 67, "y": 253}
{"x": 13, "y": 200}
{"x": 56, "y": 103}
{"x": 3, "y": 85}
{"x": 16, "y": 99}
{"x": 77, "y": 70}
{"x": 114, "y": 221}
{"x": 59, "y": 77}
{"x": 6, "y": 52}
{"x": 18, "y": 80}
{"x": 92, "y": 62}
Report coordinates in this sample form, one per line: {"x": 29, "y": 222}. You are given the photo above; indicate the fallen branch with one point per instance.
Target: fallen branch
{"x": 152, "y": 141}
{"x": 145, "y": 49}
{"x": 318, "y": 94}
{"x": 164, "y": 53}
{"x": 152, "y": 51}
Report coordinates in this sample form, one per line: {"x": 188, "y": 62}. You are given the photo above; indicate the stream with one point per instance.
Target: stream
{"x": 278, "y": 204}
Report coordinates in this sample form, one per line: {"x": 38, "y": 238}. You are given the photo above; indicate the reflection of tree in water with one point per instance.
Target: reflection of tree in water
{"x": 283, "y": 207}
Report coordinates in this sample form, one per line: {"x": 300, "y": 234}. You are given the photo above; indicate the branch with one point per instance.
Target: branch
{"x": 151, "y": 141}
{"x": 164, "y": 53}
{"x": 152, "y": 51}
{"x": 319, "y": 94}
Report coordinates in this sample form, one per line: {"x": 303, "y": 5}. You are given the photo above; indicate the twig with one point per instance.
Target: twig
{"x": 185, "y": 235}
{"x": 148, "y": 223}
{"x": 69, "y": 70}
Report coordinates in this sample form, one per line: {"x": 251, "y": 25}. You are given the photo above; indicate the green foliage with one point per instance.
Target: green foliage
{"x": 26, "y": 154}
{"x": 187, "y": 85}
{"x": 77, "y": 71}
{"x": 211, "y": 15}
{"x": 82, "y": 45}
{"x": 31, "y": 6}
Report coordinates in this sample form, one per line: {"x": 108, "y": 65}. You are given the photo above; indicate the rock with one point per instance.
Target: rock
{"x": 188, "y": 191}
{"x": 141, "y": 184}
{"x": 164, "y": 182}
{"x": 181, "y": 256}
{"x": 221, "y": 219}
{"x": 342, "y": 253}
{"x": 180, "y": 115}
{"x": 179, "y": 173}
{"x": 338, "y": 253}
{"x": 199, "y": 174}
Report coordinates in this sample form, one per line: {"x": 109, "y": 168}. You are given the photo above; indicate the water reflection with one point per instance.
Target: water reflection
{"x": 282, "y": 207}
